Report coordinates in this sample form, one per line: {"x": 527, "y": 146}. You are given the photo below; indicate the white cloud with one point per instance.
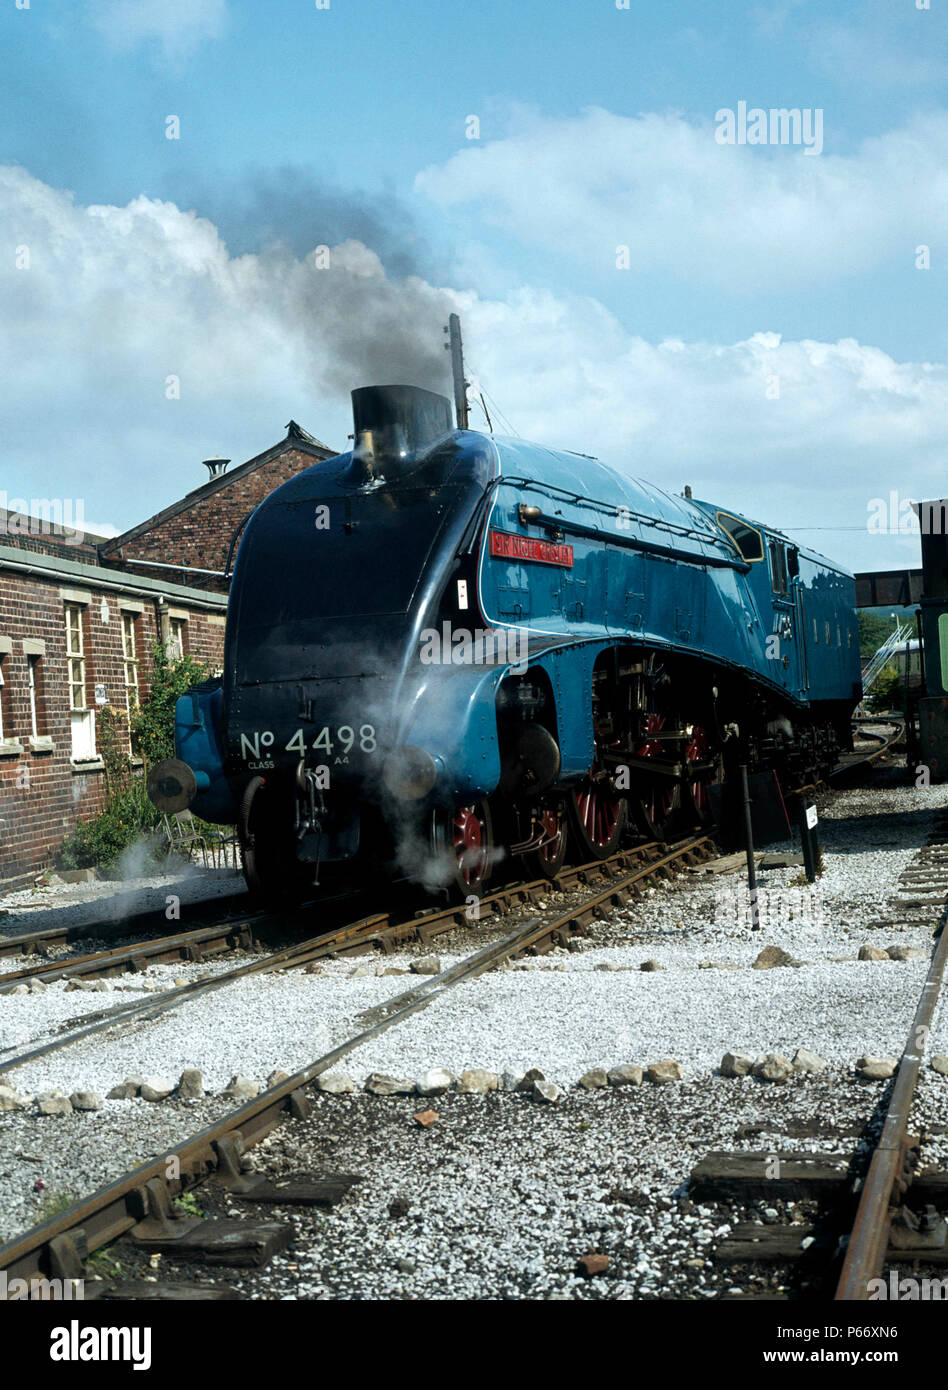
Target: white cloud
{"x": 116, "y": 299}
{"x": 743, "y": 217}
{"x": 178, "y": 26}
{"x": 770, "y": 20}
{"x": 887, "y": 45}
{"x": 849, "y": 52}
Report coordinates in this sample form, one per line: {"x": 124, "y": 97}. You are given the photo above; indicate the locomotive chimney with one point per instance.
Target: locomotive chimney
{"x": 393, "y": 424}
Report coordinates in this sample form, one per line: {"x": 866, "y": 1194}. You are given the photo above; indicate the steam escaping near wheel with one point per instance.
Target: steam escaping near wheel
{"x": 410, "y": 773}
{"x": 171, "y": 786}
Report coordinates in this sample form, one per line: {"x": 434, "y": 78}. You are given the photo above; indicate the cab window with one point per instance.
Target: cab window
{"x": 778, "y": 567}
{"x": 747, "y": 539}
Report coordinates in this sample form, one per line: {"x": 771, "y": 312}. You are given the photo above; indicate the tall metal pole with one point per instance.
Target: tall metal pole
{"x": 457, "y": 370}
{"x": 808, "y": 840}
{"x": 749, "y": 847}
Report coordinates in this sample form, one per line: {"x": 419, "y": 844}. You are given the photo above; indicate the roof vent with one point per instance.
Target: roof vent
{"x": 216, "y": 466}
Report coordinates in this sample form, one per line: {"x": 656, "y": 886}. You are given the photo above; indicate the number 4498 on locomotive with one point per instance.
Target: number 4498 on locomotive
{"x": 446, "y": 650}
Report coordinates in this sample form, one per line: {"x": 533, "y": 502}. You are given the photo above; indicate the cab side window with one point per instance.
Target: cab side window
{"x": 778, "y": 567}
{"x": 747, "y": 539}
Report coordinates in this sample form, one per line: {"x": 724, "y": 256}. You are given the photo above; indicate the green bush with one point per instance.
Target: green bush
{"x": 873, "y": 631}
{"x": 152, "y": 723}
{"x": 128, "y": 817}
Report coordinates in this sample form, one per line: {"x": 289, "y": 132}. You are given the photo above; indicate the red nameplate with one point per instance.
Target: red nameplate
{"x": 505, "y": 546}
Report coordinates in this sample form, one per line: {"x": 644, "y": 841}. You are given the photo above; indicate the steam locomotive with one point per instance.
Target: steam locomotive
{"x": 446, "y": 648}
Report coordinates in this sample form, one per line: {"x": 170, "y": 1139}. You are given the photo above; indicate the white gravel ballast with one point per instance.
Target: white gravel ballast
{"x": 564, "y": 1013}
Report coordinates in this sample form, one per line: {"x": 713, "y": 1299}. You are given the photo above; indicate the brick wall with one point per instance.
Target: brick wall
{"x": 199, "y": 536}
{"x": 31, "y": 533}
{"x": 42, "y": 793}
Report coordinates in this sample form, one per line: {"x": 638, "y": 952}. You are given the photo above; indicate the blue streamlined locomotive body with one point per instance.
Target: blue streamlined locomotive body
{"x": 444, "y": 642}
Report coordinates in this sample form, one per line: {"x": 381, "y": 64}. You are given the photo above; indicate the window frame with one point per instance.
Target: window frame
{"x": 76, "y": 670}
{"x": 130, "y": 659}
{"x": 747, "y": 526}
{"x": 779, "y": 573}
{"x": 82, "y": 731}
{"x": 177, "y": 626}
{"x": 32, "y": 685}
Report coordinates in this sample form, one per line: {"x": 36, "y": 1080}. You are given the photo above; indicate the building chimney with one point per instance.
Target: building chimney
{"x": 216, "y": 466}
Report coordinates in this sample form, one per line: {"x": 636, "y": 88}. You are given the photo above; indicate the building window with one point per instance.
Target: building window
{"x": 816, "y": 632}
{"x": 81, "y": 718}
{"x": 8, "y": 740}
{"x": 130, "y": 660}
{"x": 175, "y": 645}
{"x": 35, "y": 684}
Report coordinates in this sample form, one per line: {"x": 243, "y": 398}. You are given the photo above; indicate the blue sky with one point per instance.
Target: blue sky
{"x": 347, "y": 127}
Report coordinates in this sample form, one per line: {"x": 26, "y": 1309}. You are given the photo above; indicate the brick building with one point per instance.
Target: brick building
{"x": 79, "y": 615}
{"x": 193, "y": 538}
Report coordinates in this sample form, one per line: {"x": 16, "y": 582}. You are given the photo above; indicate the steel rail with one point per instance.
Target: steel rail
{"x": 64, "y": 935}
{"x": 57, "y": 1247}
{"x": 188, "y": 945}
{"x": 227, "y": 932}
{"x": 885, "y": 743}
{"x": 140, "y": 1010}
{"x": 866, "y": 1250}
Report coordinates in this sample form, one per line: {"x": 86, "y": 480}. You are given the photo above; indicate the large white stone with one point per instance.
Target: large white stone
{"x": 435, "y": 1082}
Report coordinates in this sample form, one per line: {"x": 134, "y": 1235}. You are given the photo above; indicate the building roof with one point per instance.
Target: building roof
{"x": 39, "y": 528}
{"x": 296, "y": 438}
{"x": 35, "y": 562}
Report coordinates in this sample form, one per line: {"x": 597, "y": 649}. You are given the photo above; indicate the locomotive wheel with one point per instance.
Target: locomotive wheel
{"x": 598, "y": 817}
{"x": 697, "y": 801}
{"x": 265, "y": 829}
{"x": 464, "y": 839}
{"x": 657, "y": 812}
{"x": 550, "y": 857}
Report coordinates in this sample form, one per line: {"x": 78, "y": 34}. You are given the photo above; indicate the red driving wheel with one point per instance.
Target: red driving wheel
{"x": 550, "y": 820}
{"x": 660, "y": 802}
{"x": 698, "y": 750}
{"x": 471, "y": 843}
{"x": 463, "y": 840}
{"x": 598, "y": 816}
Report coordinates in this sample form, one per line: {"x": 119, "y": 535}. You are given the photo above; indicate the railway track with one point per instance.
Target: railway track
{"x": 889, "y": 1177}
{"x": 236, "y": 924}
{"x": 233, "y": 908}
{"x": 142, "y": 1202}
{"x": 144, "y": 1199}
{"x": 874, "y": 1214}
{"x": 851, "y": 762}
{"x": 376, "y": 933}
